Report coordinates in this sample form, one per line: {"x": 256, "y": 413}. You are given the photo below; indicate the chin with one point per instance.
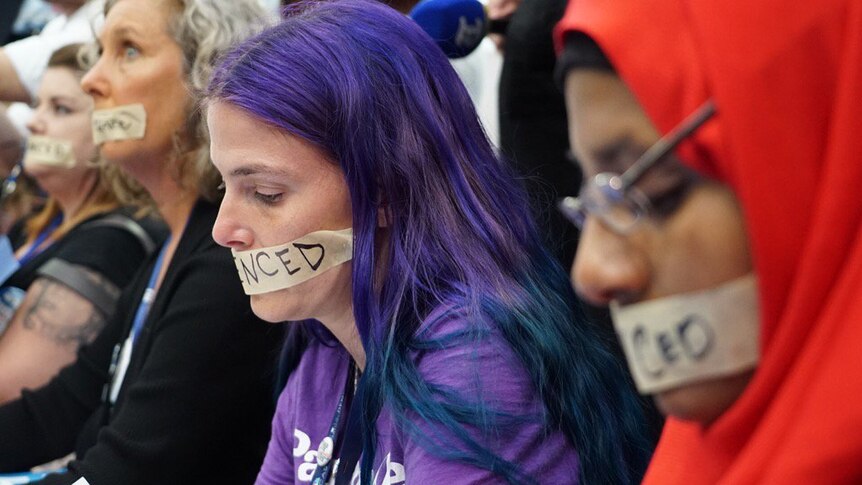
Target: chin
{"x": 271, "y": 308}
{"x": 39, "y": 172}
{"x": 133, "y": 157}
{"x": 47, "y": 178}
{"x": 118, "y": 152}
{"x": 703, "y": 402}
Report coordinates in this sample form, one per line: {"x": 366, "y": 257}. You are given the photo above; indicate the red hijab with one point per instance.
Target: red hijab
{"x": 787, "y": 82}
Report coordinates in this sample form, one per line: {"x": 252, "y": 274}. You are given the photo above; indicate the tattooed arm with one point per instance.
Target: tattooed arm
{"x": 44, "y": 336}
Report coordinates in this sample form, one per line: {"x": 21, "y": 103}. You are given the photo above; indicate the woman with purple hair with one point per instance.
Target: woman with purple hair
{"x": 364, "y": 201}
{"x": 176, "y": 389}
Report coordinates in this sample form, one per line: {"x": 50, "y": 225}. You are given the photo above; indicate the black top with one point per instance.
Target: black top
{"x": 8, "y": 14}
{"x": 533, "y": 125}
{"x": 196, "y": 402}
{"x": 110, "y": 251}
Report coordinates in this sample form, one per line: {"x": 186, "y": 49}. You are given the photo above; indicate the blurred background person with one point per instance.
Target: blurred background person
{"x": 475, "y": 364}
{"x": 728, "y": 250}
{"x": 532, "y": 115}
{"x": 75, "y": 256}
{"x": 23, "y": 62}
{"x": 177, "y": 388}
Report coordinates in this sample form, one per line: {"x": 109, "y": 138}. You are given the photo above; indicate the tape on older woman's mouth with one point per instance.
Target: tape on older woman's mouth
{"x": 128, "y": 122}
{"x": 682, "y": 339}
{"x": 44, "y": 150}
{"x": 274, "y": 268}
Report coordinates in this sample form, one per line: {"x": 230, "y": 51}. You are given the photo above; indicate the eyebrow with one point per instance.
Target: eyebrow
{"x": 258, "y": 169}
{"x": 616, "y": 155}
{"x": 53, "y": 99}
{"x": 123, "y": 30}
{"x": 127, "y": 29}
{"x": 67, "y": 99}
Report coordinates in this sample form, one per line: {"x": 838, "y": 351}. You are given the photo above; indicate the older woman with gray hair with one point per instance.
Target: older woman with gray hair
{"x": 177, "y": 388}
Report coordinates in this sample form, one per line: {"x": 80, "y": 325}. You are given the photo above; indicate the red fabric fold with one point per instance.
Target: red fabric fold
{"x": 787, "y": 82}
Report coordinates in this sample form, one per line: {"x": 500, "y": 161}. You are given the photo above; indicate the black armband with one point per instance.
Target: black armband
{"x": 102, "y": 294}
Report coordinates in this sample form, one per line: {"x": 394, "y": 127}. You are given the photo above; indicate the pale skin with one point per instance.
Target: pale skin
{"x": 141, "y": 63}
{"x": 54, "y": 320}
{"x": 696, "y": 241}
{"x": 278, "y": 188}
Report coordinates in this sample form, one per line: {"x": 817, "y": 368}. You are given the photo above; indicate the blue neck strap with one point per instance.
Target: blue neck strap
{"x": 149, "y": 294}
{"x": 34, "y": 249}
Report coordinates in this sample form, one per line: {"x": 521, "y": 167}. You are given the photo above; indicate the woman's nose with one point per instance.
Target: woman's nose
{"x": 608, "y": 266}
{"x": 36, "y": 125}
{"x": 229, "y": 230}
{"x": 95, "y": 83}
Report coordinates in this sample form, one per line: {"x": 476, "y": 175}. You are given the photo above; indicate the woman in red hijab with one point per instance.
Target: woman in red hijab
{"x": 731, "y": 255}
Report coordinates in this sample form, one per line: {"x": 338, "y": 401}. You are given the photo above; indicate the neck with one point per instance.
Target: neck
{"x": 73, "y": 200}
{"x": 175, "y": 205}
{"x": 172, "y": 200}
{"x": 343, "y": 327}
{"x": 175, "y": 209}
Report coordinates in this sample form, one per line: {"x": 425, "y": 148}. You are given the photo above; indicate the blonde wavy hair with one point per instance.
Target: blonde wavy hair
{"x": 204, "y": 29}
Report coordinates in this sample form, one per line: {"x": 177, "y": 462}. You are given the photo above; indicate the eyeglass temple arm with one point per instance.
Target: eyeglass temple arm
{"x": 667, "y": 143}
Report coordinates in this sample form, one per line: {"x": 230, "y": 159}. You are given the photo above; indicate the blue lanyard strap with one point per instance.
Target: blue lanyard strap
{"x": 149, "y": 294}
{"x": 137, "y": 325}
{"x": 326, "y": 450}
{"x": 34, "y": 249}
{"x": 351, "y": 441}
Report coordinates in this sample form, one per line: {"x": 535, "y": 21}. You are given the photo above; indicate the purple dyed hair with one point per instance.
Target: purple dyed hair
{"x": 366, "y": 85}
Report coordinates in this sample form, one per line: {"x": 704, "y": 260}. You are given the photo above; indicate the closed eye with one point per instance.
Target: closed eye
{"x": 666, "y": 201}
{"x": 268, "y": 196}
{"x": 62, "y": 109}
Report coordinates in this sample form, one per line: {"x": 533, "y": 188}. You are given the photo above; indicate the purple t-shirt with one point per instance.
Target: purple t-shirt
{"x": 489, "y": 371}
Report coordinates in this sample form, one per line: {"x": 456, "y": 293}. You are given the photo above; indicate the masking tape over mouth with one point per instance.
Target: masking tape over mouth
{"x": 128, "y": 122}
{"x": 275, "y": 268}
{"x": 43, "y": 150}
{"x": 673, "y": 341}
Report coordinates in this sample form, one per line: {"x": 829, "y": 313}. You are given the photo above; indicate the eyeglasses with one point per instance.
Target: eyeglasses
{"x": 613, "y": 198}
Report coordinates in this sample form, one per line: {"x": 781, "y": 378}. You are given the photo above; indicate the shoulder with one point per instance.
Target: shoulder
{"x": 312, "y": 388}
{"x": 317, "y": 375}
{"x": 147, "y": 230}
{"x": 106, "y": 247}
{"x": 469, "y": 354}
{"x": 475, "y": 368}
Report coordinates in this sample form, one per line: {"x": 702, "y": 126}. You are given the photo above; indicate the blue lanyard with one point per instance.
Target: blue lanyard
{"x": 327, "y": 448}
{"x": 34, "y": 250}
{"x": 149, "y": 294}
{"x": 138, "y": 325}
